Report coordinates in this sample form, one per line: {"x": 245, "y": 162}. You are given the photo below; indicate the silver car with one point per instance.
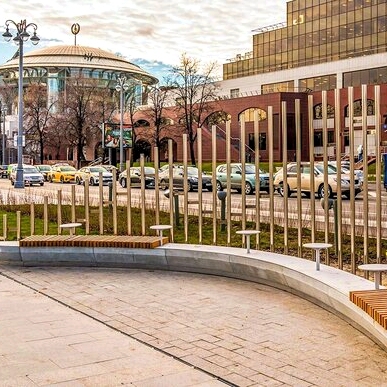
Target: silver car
{"x": 31, "y": 175}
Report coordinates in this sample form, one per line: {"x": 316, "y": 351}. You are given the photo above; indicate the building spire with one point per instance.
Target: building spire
{"x": 75, "y": 28}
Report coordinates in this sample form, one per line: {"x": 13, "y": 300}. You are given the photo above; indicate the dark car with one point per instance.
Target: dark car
{"x": 4, "y": 171}
{"x": 135, "y": 177}
{"x": 178, "y": 179}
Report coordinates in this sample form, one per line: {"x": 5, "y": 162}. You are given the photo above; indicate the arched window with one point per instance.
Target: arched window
{"x": 318, "y": 111}
{"x": 249, "y": 114}
{"x": 357, "y": 108}
{"x": 217, "y": 118}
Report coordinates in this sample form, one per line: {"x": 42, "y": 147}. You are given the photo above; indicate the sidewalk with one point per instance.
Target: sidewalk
{"x": 113, "y": 327}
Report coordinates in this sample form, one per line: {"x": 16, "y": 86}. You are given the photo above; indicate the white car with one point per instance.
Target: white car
{"x": 91, "y": 174}
{"x": 304, "y": 172}
{"x": 30, "y": 175}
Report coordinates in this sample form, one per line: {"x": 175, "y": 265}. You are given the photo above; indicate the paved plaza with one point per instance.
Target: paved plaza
{"x": 115, "y": 327}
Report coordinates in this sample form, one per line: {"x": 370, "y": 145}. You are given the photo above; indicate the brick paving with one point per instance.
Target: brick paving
{"x": 153, "y": 328}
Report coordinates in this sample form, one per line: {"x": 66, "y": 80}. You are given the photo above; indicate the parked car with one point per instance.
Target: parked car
{"x": 236, "y": 178}
{"x": 178, "y": 178}
{"x": 31, "y": 175}
{"x": 135, "y": 177}
{"x": 91, "y": 174}
{"x": 292, "y": 171}
{"x": 44, "y": 169}
{"x": 61, "y": 174}
{"x": 346, "y": 168}
{"x": 4, "y": 171}
{"x": 111, "y": 168}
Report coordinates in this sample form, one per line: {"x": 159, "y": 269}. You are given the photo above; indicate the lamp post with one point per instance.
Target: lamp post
{"x": 21, "y": 36}
{"x": 122, "y": 87}
{"x": 3, "y": 112}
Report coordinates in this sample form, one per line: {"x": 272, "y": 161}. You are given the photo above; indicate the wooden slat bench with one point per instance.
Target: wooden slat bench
{"x": 373, "y": 302}
{"x": 125, "y": 241}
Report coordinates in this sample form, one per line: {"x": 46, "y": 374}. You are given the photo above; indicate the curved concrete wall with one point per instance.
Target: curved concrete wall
{"x": 328, "y": 287}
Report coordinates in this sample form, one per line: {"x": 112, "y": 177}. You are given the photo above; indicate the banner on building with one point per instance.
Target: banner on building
{"x": 112, "y": 135}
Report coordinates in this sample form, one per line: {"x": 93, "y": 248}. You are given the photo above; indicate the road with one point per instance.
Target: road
{"x": 36, "y": 194}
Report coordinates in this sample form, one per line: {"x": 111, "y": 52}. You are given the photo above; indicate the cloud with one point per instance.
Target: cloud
{"x": 154, "y": 30}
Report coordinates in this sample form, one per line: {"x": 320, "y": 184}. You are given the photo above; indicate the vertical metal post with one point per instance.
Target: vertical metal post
{"x": 200, "y": 183}
{"x": 338, "y": 163}
{"x": 270, "y": 130}
{"x": 19, "y": 182}
{"x": 378, "y": 177}
{"x": 243, "y": 163}
{"x": 285, "y": 174}
{"x": 157, "y": 197}
{"x": 4, "y": 110}
{"x": 214, "y": 188}
{"x": 143, "y": 204}
{"x": 298, "y": 159}
{"x": 257, "y": 177}
{"x": 228, "y": 161}
{"x": 185, "y": 186}
{"x": 365, "y": 172}
{"x": 311, "y": 163}
{"x": 352, "y": 163}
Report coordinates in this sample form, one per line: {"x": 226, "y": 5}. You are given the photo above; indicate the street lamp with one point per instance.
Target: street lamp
{"x": 21, "y": 36}
{"x": 122, "y": 87}
{"x": 3, "y": 112}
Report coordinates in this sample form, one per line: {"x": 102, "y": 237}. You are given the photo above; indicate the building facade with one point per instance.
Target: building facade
{"x": 54, "y": 66}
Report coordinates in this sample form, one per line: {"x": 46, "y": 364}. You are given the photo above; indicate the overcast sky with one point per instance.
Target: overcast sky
{"x": 151, "y": 33}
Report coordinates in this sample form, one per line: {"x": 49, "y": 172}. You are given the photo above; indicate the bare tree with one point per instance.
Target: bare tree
{"x": 82, "y": 115}
{"x": 158, "y": 98}
{"x": 37, "y": 118}
{"x": 195, "y": 93}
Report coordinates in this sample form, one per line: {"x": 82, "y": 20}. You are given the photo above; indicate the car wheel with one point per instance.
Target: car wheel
{"x": 209, "y": 189}
{"x": 219, "y": 186}
{"x": 281, "y": 190}
{"x": 163, "y": 185}
{"x": 41, "y": 184}
{"x": 190, "y": 187}
{"x": 123, "y": 183}
{"x": 92, "y": 182}
{"x": 62, "y": 179}
{"x": 49, "y": 179}
{"x": 78, "y": 181}
{"x": 321, "y": 193}
{"x": 248, "y": 188}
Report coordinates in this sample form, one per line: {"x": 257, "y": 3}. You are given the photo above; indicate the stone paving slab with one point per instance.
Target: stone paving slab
{"x": 245, "y": 333}
{"x": 45, "y": 343}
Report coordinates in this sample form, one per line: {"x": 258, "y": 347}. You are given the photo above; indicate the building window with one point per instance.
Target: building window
{"x": 318, "y": 110}
{"x": 234, "y": 93}
{"x": 357, "y": 108}
{"x": 249, "y": 114}
{"x": 261, "y": 143}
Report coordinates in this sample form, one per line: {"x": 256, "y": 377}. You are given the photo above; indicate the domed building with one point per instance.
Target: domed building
{"x": 54, "y": 66}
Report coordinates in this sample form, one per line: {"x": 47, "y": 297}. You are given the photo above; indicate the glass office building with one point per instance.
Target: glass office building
{"x": 318, "y": 32}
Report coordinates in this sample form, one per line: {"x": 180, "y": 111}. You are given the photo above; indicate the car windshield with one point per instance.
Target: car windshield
{"x": 44, "y": 168}
{"x": 97, "y": 169}
{"x": 192, "y": 171}
{"x": 331, "y": 170}
{"x": 67, "y": 169}
{"x": 30, "y": 170}
{"x": 250, "y": 168}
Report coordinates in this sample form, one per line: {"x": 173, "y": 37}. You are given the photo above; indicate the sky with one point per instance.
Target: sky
{"x": 153, "y": 34}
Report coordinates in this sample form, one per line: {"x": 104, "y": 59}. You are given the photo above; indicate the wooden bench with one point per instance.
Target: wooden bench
{"x": 124, "y": 241}
{"x": 373, "y": 302}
